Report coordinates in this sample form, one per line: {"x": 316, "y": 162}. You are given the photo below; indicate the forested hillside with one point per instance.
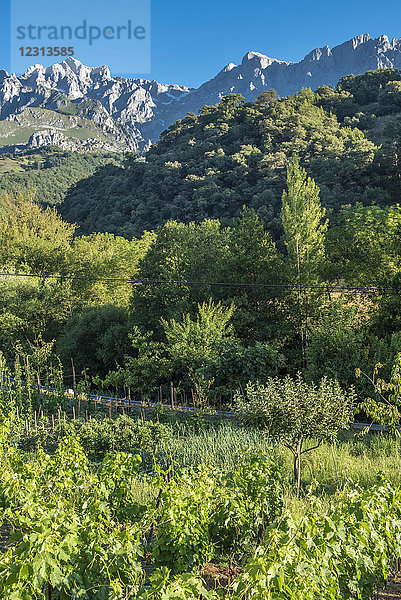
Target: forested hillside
{"x": 49, "y": 172}
{"x": 235, "y": 154}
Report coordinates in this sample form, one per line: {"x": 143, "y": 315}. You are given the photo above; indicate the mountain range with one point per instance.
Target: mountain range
{"x": 82, "y": 108}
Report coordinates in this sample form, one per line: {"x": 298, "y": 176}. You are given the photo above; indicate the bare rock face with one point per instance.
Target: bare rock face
{"x": 49, "y": 137}
{"x": 257, "y": 72}
{"x": 127, "y": 105}
{"x": 140, "y": 109}
{"x": 52, "y": 137}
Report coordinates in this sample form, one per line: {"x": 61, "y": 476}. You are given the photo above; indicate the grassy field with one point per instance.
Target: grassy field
{"x": 353, "y": 457}
{"x": 8, "y": 165}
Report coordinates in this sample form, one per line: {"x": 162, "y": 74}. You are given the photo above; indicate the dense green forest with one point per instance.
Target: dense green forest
{"x": 50, "y": 172}
{"x": 235, "y": 153}
{"x": 207, "y": 306}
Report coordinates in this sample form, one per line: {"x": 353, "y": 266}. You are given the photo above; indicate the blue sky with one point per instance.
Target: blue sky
{"x": 192, "y": 41}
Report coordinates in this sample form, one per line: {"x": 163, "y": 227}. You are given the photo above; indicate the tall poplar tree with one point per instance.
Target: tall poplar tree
{"x": 302, "y": 217}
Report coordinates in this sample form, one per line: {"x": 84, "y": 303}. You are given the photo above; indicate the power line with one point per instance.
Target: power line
{"x": 321, "y": 287}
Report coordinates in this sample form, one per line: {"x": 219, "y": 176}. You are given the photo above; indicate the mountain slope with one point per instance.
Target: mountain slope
{"x": 132, "y": 113}
{"x": 115, "y": 105}
{"x": 50, "y": 172}
{"x": 235, "y": 154}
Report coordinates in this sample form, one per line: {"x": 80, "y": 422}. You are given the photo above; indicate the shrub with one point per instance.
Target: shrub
{"x": 204, "y": 515}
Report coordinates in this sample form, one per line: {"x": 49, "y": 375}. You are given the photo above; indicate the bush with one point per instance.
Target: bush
{"x": 204, "y": 515}
{"x": 344, "y": 549}
{"x": 123, "y": 435}
{"x": 248, "y": 500}
{"x": 97, "y": 438}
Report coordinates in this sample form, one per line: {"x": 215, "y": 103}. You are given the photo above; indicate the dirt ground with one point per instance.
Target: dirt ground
{"x": 4, "y": 535}
{"x": 393, "y": 591}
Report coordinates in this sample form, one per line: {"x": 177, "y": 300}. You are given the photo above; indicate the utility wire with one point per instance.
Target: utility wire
{"x": 322, "y": 287}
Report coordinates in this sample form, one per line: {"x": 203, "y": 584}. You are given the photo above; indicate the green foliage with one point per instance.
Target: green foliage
{"x": 178, "y": 253}
{"x": 146, "y": 369}
{"x": 199, "y": 352}
{"x": 252, "y": 257}
{"x": 96, "y": 339}
{"x": 267, "y": 97}
{"x": 294, "y": 412}
{"x": 195, "y": 341}
{"x": 304, "y": 231}
{"x": 182, "y": 540}
{"x": 292, "y": 409}
{"x": 98, "y": 436}
{"x": 337, "y": 346}
{"x": 363, "y": 247}
{"x": 204, "y": 515}
{"x": 120, "y": 435}
{"x": 365, "y": 88}
{"x": 248, "y": 500}
{"x": 105, "y": 256}
{"x": 389, "y": 98}
{"x": 33, "y": 238}
{"x": 79, "y": 530}
{"x": 235, "y": 364}
{"x": 192, "y": 344}
{"x": 67, "y": 540}
{"x": 29, "y": 309}
{"x": 50, "y": 172}
{"x": 20, "y": 387}
{"x": 34, "y": 242}
{"x": 209, "y": 254}
{"x": 210, "y": 165}
{"x": 38, "y": 257}
{"x": 343, "y": 550}
{"x": 186, "y": 586}
{"x": 383, "y": 408}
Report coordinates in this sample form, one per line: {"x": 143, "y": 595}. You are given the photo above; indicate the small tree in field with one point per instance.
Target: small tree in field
{"x": 294, "y": 412}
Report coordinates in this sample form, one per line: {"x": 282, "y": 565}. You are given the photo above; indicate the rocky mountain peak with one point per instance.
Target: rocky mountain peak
{"x": 229, "y": 67}
{"x": 3, "y": 75}
{"x": 361, "y": 39}
{"x": 143, "y": 109}
{"x": 318, "y": 54}
{"x": 74, "y": 64}
{"x": 257, "y": 59}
